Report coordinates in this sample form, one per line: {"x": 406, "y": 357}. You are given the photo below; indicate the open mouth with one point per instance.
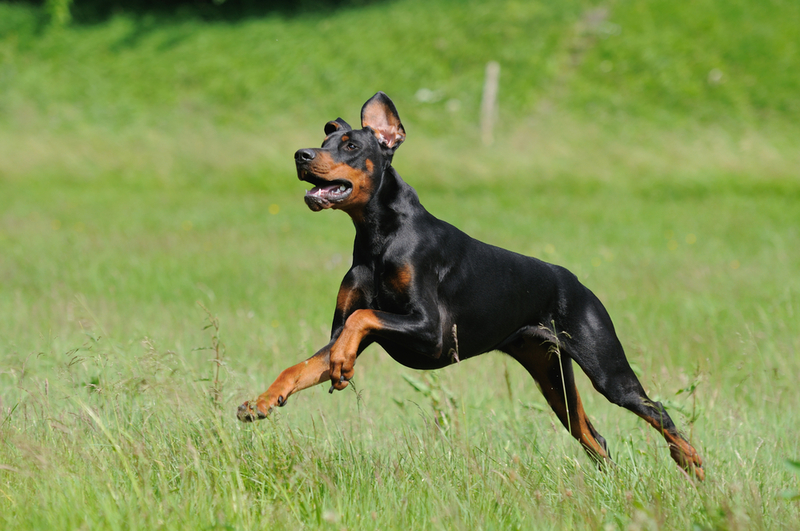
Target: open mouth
{"x": 325, "y": 194}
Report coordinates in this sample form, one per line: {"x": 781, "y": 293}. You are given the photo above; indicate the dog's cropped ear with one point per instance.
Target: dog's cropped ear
{"x": 380, "y": 115}
{"x": 336, "y": 125}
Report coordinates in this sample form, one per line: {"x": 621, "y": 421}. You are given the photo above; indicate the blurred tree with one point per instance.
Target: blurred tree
{"x": 59, "y": 11}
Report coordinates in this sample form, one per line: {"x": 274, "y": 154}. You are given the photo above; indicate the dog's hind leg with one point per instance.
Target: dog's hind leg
{"x": 553, "y": 374}
{"x": 622, "y": 387}
{"x": 599, "y": 353}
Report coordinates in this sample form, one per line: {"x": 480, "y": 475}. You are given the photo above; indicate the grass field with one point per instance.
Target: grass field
{"x": 146, "y": 175}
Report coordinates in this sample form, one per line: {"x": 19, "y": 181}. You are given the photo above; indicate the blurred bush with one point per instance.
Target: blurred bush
{"x": 62, "y": 12}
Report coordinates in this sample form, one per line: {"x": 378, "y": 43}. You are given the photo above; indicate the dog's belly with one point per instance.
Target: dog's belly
{"x": 412, "y": 359}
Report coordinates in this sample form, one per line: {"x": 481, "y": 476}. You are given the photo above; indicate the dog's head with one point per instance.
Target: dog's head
{"x": 347, "y": 169}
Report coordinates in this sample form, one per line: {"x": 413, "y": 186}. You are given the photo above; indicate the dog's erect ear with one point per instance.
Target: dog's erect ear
{"x": 336, "y": 125}
{"x": 380, "y": 115}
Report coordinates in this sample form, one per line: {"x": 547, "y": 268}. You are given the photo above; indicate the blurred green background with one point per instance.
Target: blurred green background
{"x": 146, "y": 165}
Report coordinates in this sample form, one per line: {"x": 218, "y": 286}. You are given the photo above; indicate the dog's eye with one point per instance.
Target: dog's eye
{"x": 350, "y": 146}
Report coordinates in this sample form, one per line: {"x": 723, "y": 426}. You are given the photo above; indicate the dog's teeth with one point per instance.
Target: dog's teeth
{"x": 342, "y": 188}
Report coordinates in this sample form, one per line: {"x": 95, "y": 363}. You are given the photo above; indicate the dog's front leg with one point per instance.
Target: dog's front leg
{"x": 418, "y": 332}
{"x": 313, "y": 371}
{"x": 347, "y": 346}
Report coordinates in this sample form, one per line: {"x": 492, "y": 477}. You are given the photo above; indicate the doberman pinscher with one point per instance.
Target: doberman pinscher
{"x": 431, "y": 296}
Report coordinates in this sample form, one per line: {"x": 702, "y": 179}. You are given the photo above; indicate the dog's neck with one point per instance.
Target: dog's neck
{"x": 391, "y": 206}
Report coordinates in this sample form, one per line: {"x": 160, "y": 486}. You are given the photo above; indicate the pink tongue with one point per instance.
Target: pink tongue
{"x": 323, "y": 191}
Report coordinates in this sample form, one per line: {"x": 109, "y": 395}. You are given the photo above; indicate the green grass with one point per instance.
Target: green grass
{"x": 145, "y": 165}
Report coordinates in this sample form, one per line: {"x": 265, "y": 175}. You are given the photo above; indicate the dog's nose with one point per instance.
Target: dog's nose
{"x": 304, "y": 155}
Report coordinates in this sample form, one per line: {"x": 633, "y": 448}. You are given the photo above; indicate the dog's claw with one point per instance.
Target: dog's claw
{"x": 333, "y": 386}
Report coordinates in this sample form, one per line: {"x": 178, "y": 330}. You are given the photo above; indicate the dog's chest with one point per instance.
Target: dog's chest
{"x": 392, "y": 283}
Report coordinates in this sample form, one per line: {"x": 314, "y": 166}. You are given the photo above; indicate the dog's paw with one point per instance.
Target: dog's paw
{"x": 342, "y": 371}
{"x": 688, "y": 459}
{"x": 695, "y": 466}
{"x": 338, "y": 385}
{"x": 250, "y": 411}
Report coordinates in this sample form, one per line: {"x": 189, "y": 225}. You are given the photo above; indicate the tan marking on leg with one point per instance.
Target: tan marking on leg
{"x": 539, "y": 362}
{"x": 308, "y": 373}
{"x": 345, "y": 349}
{"x": 582, "y": 425}
{"x": 681, "y": 451}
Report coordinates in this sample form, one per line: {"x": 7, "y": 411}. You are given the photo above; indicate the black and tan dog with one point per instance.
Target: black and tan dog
{"x": 430, "y": 295}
